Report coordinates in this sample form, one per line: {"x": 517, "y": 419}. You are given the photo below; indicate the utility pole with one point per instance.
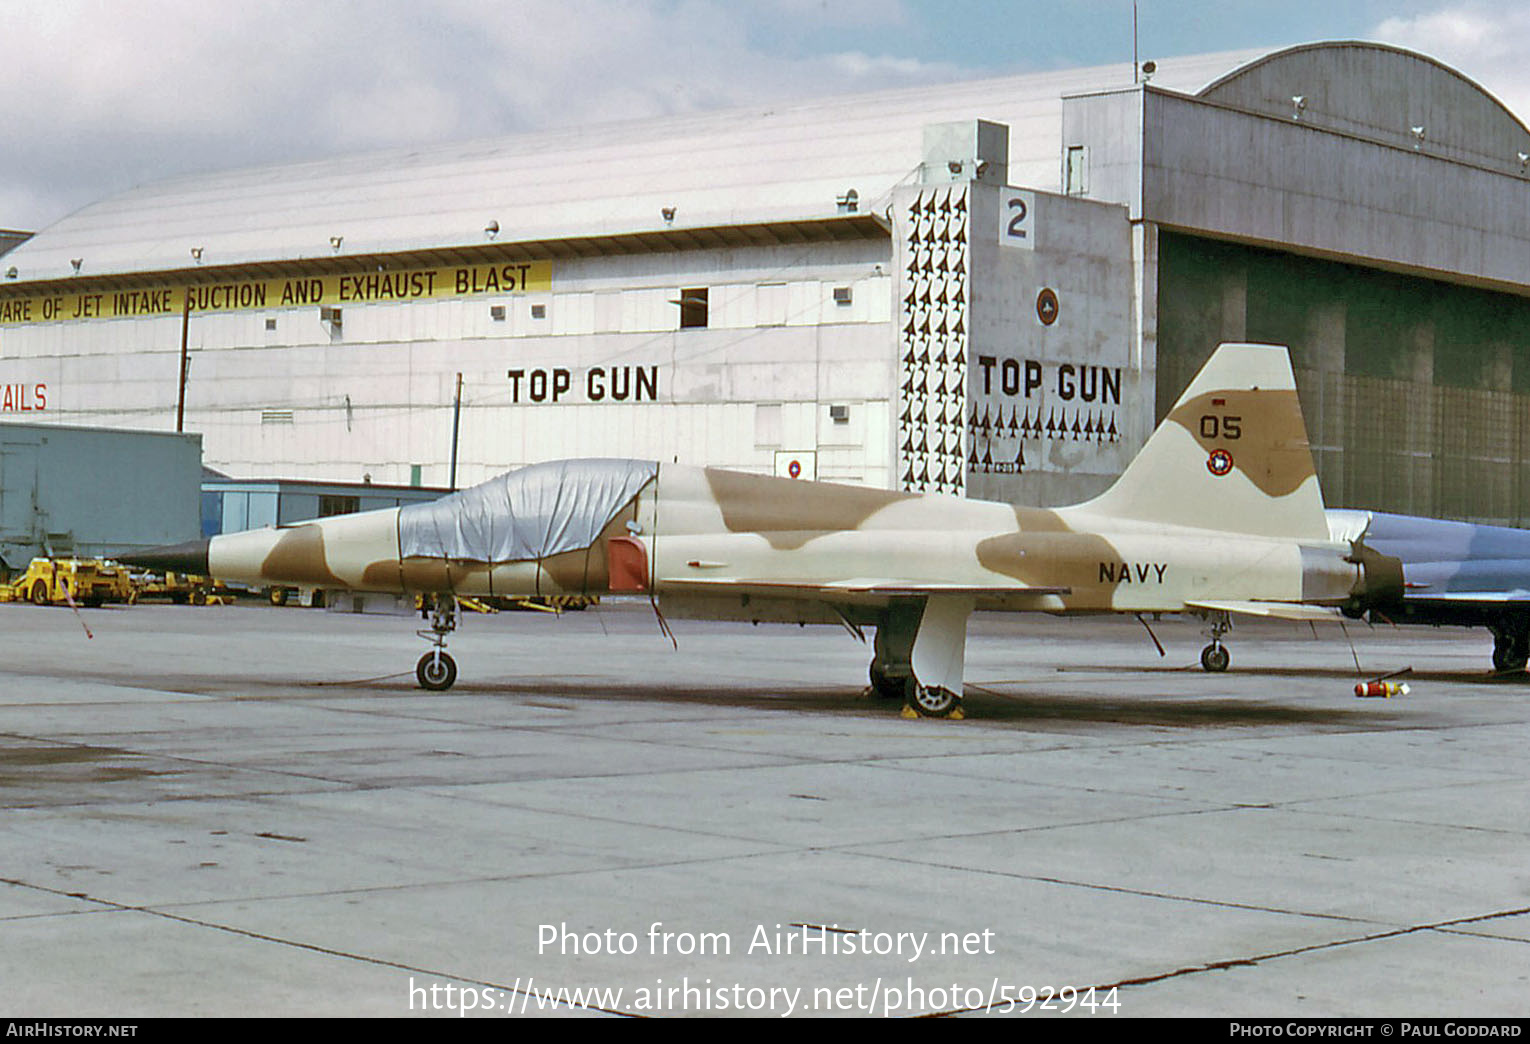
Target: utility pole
{"x": 456, "y": 425}
{"x": 180, "y": 395}
{"x": 1135, "y": 66}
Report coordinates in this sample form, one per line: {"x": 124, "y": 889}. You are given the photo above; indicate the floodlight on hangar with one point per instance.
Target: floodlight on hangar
{"x": 334, "y": 243}
{"x": 1298, "y": 105}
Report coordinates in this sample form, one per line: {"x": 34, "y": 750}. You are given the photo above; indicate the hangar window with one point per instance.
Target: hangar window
{"x": 693, "y": 308}
{"x": 338, "y": 505}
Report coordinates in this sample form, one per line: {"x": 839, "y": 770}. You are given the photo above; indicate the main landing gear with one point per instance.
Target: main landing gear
{"x": 1511, "y": 643}
{"x": 437, "y": 671}
{"x": 1215, "y": 657}
{"x": 926, "y": 701}
{"x": 917, "y": 636}
{"x": 931, "y": 701}
{"x": 886, "y": 684}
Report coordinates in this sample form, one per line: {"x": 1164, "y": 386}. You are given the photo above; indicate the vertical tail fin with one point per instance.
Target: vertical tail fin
{"x": 1232, "y": 454}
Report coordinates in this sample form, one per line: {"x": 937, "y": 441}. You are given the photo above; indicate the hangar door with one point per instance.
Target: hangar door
{"x": 1416, "y": 392}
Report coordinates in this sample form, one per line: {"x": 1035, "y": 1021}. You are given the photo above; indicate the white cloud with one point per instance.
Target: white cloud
{"x": 1487, "y": 43}
{"x": 102, "y": 95}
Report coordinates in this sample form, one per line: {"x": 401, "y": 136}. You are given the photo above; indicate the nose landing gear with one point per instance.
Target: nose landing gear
{"x": 1215, "y": 657}
{"x": 437, "y": 671}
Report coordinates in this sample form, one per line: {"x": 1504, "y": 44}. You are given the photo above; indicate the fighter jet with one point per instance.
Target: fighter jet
{"x": 1454, "y": 573}
{"x": 1220, "y": 512}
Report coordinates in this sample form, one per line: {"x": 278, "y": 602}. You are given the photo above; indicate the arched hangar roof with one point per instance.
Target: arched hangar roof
{"x": 767, "y": 164}
{"x": 776, "y": 164}
{"x": 1381, "y": 93}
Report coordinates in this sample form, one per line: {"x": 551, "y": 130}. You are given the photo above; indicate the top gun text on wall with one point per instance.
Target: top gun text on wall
{"x": 597, "y": 384}
{"x": 1026, "y": 378}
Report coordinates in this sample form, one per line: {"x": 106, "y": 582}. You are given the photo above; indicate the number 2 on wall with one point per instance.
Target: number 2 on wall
{"x": 1016, "y": 227}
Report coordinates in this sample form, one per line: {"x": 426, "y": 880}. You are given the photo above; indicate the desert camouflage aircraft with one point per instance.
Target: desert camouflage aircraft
{"x": 1219, "y": 513}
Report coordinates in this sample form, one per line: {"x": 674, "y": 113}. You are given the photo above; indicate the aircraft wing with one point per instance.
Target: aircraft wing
{"x": 1272, "y": 610}
{"x": 1521, "y": 598}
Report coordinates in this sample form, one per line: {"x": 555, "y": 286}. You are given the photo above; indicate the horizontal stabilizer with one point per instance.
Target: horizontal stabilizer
{"x": 1489, "y": 597}
{"x": 1273, "y": 610}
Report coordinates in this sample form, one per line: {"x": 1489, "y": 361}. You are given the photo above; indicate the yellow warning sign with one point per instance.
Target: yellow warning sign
{"x": 417, "y": 284}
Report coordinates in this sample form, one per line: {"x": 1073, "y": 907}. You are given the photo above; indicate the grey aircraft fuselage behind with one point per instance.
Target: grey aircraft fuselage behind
{"x": 1454, "y": 573}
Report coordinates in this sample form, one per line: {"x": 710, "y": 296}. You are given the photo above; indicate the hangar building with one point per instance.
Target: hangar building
{"x": 991, "y": 288}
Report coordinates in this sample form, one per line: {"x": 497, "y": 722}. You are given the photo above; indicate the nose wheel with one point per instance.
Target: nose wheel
{"x": 1215, "y": 657}
{"x": 437, "y": 671}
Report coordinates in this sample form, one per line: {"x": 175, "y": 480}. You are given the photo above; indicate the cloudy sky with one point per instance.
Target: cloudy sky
{"x": 101, "y": 95}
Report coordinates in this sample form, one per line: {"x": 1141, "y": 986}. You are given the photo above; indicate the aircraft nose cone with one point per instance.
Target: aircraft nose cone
{"x": 190, "y": 557}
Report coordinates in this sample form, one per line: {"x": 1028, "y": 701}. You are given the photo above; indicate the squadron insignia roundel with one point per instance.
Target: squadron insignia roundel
{"x": 1219, "y": 463}
{"x": 1047, "y": 306}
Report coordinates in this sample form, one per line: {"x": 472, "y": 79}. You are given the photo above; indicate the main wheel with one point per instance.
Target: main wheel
{"x": 40, "y": 593}
{"x": 930, "y": 701}
{"x": 1215, "y": 658}
{"x": 436, "y": 671}
{"x": 1513, "y": 658}
{"x": 885, "y": 685}
{"x": 1511, "y": 651}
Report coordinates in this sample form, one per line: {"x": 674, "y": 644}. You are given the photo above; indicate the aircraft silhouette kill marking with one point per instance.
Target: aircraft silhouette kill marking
{"x": 1220, "y": 512}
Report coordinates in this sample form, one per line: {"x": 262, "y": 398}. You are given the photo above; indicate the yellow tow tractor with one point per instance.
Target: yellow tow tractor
{"x": 58, "y": 581}
{"x": 531, "y": 603}
{"x": 182, "y": 589}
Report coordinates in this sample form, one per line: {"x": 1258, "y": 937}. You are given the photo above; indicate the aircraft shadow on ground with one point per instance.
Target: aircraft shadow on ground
{"x": 990, "y": 703}
{"x": 1203, "y": 700}
{"x": 1341, "y": 672}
